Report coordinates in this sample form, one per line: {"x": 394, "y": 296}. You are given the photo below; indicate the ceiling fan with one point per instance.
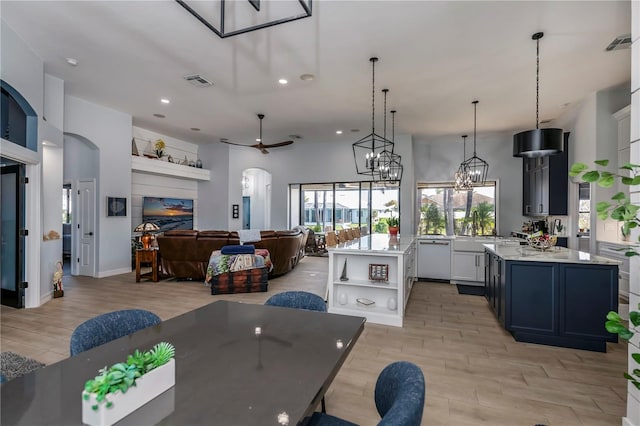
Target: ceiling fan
{"x": 261, "y": 146}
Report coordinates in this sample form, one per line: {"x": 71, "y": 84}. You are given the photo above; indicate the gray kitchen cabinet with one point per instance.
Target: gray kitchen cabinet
{"x": 545, "y": 184}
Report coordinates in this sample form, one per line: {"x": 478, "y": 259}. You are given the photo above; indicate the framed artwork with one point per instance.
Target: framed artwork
{"x": 378, "y": 272}
{"x": 116, "y": 206}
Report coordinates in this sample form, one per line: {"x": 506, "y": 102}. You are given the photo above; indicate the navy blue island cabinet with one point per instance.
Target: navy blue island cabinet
{"x": 552, "y": 302}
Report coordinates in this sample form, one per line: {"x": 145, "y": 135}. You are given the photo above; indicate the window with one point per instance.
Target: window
{"x": 66, "y": 203}
{"x": 333, "y": 206}
{"x": 446, "y": 211}
{"x": 584, "y": 208}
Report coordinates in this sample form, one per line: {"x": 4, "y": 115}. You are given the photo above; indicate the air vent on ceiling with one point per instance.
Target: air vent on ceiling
{"x": 619, "y": 43}
{"x": 198, "y": 80}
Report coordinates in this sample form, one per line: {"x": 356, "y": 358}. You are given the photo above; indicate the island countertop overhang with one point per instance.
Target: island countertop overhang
{"x": 554, "y": 255}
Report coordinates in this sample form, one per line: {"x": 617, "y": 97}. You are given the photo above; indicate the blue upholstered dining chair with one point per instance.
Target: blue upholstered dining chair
{"x": 298, "y": 300}
{"x": 110, "y": 326}
{"x": 399, "y": 398}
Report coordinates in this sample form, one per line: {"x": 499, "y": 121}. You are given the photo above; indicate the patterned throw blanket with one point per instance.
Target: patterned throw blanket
{"x": 220, "y": 263}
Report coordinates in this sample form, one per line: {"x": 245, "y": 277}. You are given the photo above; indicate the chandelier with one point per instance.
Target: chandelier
{"x": 391, "y": 164}
{"x": 462, "y": 177}
{"x": 478, "y": 168}
{"x": 367, "y": 152}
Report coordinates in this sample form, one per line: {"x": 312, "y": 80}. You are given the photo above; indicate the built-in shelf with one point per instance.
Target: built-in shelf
{"x": 164, "y": 168}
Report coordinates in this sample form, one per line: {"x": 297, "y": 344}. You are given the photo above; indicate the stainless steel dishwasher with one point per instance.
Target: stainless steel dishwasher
{"x": 434, "y": 258}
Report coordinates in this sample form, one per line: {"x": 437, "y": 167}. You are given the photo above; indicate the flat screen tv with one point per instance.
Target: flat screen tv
{"x": 168, "y": 213}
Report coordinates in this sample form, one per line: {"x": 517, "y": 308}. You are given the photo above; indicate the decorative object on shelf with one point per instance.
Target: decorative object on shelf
{"x": 462, "y": 177}
{"x": 147, "y": 228}
{"x": 51, "y": 235}
{"x": 134, "y": 147}
{"x": 478, "y": 168}
{"x": 185, "y": 162}
{"x": 365, "y": 302}
{"x": 126, "y": 386}
{"x": 259, "y": 146}
{"x": 224, "y": 27}
{"x": 158, "y": 148}
{"x": 343, "y": 299}
{"x": 199, "y": 163}
{"x": 58, "y": 291}
{"x": 192, "y": 163}
{"x": 392, "y": 304}
{"x": 169, "y": 159}
{"x": 538, "y": 142}
{"x": 378, "y": 272}
{"x": 367, "y": 151}
{"x": 542, "y": 241}
{"x": 343, "y": 276}
{"x": 116, "y": 206}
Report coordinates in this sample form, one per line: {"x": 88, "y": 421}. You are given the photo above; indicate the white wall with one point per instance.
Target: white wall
{"x": 110, "y": 131}
{"x": 213, "y": 202}
{"x": 438, "y": 159}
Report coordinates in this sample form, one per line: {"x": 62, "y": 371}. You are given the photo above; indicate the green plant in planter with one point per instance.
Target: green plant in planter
{"x": 393, "y": 221}
{"x": 629, "y": 214}
{"x": 123, "y": 375}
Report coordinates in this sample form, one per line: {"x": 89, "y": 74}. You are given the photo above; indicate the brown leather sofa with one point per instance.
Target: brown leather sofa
{"x": 185, "y": 254}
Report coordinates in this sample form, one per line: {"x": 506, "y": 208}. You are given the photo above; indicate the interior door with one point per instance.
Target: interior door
{"x": 86, "y": 227}
{"x": 12, "y": 242}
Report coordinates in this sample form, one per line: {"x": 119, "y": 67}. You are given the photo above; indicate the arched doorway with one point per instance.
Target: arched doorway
{"x": 256, "y": 199}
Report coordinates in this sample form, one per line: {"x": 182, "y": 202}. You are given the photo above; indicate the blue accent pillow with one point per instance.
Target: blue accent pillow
{"x": 247, "y": 249}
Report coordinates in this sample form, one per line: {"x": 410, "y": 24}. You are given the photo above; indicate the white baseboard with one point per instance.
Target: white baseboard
{"x": 120, "y": 271}
{"x": 47, "y": 297}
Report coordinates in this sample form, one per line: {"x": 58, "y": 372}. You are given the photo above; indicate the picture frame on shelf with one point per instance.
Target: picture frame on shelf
{"x": 116, "y": 207}
{"x": 378, "y": 272}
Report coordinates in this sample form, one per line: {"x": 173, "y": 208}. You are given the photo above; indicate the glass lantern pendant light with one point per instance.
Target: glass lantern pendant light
{"x": 478, "y": 168}
{"x": 367, "y": 151}
{"x": 390, "y": 163}
{"x": 462, "y": 177}
{"x": 537, "y": 142}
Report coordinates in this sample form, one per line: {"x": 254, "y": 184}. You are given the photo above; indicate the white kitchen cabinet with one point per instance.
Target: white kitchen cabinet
{"x": 467, "y": 266}
{"x": 389, "y": 297}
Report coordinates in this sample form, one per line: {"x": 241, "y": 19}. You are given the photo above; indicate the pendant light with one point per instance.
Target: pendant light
{"x": 393, "y": 162}
{"x": 389, "y": 161}
{"x": 537, "y": 142}
{"x": 462, "y": 177}
{"x": 367, "y": 151}
{"x": 478, "y": 168}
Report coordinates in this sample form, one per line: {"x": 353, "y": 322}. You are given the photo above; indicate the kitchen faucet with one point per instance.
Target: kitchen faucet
{"x": 474, "y": 225}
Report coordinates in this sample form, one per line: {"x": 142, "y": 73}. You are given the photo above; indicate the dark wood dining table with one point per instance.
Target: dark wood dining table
{"x": 236, "y": 364}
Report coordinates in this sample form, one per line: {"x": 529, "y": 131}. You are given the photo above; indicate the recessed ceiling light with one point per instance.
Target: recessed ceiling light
{"x": 338, "y": 132}
{"x": 258, "y": 140}
{"x": 354, "y": 130}
{"x": 195, "y": 129}
{"x": 307, "y": 77}
{"x": 295, "y": 136}
{"x": 165, "y": 101}
{"x": 159, "y": 115}
{"x": 72, "y": 61}
{"x": 283, "y": 81}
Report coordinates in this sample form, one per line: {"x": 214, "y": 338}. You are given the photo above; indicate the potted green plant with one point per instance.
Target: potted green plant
{"x": 143, "y": 376}
{"x": 623, "y": 210}
{"x": 393, "y": 223}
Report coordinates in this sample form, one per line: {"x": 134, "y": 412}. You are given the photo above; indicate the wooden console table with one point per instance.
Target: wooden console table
{"x": 151, "y": 256}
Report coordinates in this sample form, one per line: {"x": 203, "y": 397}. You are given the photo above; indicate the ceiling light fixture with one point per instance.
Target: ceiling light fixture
{"x": 338, "y": 132}
{"x": 478, "y": 168}
{"x": 366, "y": 151}
{"x": 72, "y": 61}
{"x": 462, "y": 177}
{"x": 307, "y": 77}
{"x": 389, "y": 161}
{"x": 202, "y": 9}
{"x": 283, "y": 81}
{"x": 165, "y": 101}
{"x": 394, "y": 168}
{"x": 537, "y": 142}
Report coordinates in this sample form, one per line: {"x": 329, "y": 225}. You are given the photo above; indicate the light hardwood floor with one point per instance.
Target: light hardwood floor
{"x": 475, "y": 372}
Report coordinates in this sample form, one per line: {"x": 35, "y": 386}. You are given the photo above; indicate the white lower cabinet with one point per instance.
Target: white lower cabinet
{"x": 467, "y": 267}
{"x": 354, "y": 295}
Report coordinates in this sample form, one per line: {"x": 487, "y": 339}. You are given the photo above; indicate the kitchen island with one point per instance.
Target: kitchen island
{"x": 557, "y": 297}
{"x": 372, "y": 277}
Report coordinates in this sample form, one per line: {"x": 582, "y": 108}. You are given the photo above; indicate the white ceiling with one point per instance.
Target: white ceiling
{"x": 435, "y": 57}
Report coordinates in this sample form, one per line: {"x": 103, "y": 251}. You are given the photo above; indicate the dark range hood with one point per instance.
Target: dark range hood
{"x": 537, "y": 143}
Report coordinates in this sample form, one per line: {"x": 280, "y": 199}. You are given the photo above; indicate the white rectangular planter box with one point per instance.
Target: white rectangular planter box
{"x": 147, "y": 388}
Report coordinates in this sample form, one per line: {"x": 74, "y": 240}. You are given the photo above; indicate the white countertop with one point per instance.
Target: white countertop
{"x": 555, "y": 254}
{"x": 375, "y": 243}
